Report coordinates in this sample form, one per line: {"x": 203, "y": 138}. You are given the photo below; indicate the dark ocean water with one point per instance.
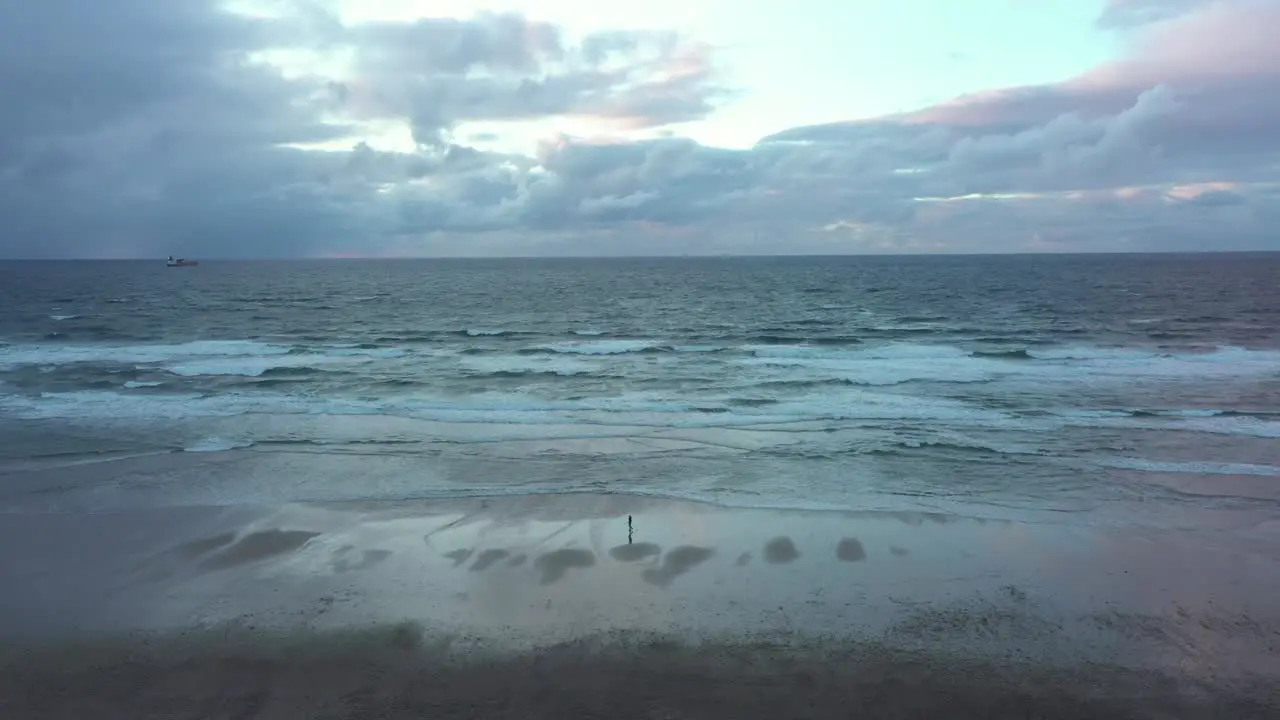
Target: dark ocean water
{"x": 1092, "y": 388}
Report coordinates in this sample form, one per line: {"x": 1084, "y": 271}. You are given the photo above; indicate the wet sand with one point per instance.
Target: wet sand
{"x": 626, "y": 607}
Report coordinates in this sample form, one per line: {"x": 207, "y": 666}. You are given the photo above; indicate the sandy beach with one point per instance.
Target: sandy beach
{"x": 589, "y": 605}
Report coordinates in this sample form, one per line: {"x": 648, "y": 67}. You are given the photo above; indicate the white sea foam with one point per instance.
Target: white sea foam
{"x": 255, "y": 366}
{"x": 501, "y": 415}
{"x": 216, "y": 444}
{"x": 50, "y": 354}
{"x": 1195, "y": 467}
{"x": 766, "y": 376}
{"x": 205, "y": 357}
{"x": 1199, "y": 421}
{"x": 133, "y": 384}
{"x": 640, "y": 409}
{"x": 902, "y": 362}
{"x": 63, "y": 317}
{"x": 876, "y": 368}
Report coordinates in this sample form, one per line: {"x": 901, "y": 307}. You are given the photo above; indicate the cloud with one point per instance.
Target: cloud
{"x": 148, "y": 127}
{"x": 1133, "y": 13}
{"x": 437, "y": 73}
{"x": 1196, "y": 99}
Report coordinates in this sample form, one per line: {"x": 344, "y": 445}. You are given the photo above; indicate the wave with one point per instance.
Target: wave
{"x": 536, "y": 374}
{"x": 217, "y": 444}
{"x": 264, "y": 366}
{"x": 1013, "y": 339}
{"x": 486, "y": 332}
{"x": 752, "y": 402}
{"x": 292, "y": 371}
{"x": 1192, "y": 467}
{"x": 64, "y": 317}
{"x": 637, "y": 409}
{"x": 911, "y": 447}
{"x": 1003, "y": 354}
{"x": 61, "y": 354}
{"x": 601, "y": 347}
{"x": 414, "y": 338}
{"x": 804, "y": 384}
{"x": 834, "y": 340}
{"x": 831, "y": 405}
{"x": 357, "y": 346}
{"x": 922, "y": 319}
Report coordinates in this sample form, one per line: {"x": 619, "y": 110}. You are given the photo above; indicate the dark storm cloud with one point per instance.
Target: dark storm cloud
{"x": 142, "y": 126}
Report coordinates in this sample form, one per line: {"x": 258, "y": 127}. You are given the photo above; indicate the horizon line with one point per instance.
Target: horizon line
{"x": 685, "y": 256}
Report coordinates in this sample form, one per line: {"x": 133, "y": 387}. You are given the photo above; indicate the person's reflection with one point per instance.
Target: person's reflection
{"x": 633, "y": 551}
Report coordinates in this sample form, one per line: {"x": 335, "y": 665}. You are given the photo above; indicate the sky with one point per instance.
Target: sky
{"x": 423, "y": 128}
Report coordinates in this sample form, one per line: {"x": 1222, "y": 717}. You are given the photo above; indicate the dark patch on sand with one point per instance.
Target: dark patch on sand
{"x": 259, "y": 546}
{"x": 850, "y": 550}
{"x": 898, "y": 551}
{"x": 518, "y": 560}
{"x": 459, "y": 556}
{"x": 487, "y": 558}
{"x": 634, "y": 551}
{"x": 677, "y": 562}
{"x": 164, "y": 565}
{"x": 345, "y": 559}
{"x": 780, "y": 550}
{"x": 554, "y": 565}
{"x": 203, "y": 546}
{"x": 743, "y": 560}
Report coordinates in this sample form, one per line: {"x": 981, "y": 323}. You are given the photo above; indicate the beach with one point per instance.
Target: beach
{"x": 622, "y": 606}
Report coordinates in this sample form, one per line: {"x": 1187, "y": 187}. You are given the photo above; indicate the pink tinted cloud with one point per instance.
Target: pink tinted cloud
{"x": 1221, "y": 59}
{"x": 1131, "y": 13}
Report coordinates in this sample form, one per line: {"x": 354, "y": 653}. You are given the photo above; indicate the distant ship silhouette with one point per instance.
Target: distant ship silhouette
{"x": 180, "y": 262}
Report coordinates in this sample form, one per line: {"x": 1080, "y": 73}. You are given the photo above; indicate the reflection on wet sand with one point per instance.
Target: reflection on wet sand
{"x": 677, "y": 562}
{"x": 259, "y": 546}
{"x": 487, "y": 558}
{"x": 459, "y": 556}
{"x": 850, "y": 550}
{"x": 780, "y": 550}
{"x": 196, "y": 548}
{"x": 633, "y": 552}
{"x": 345, "y": 559}
{"x": 555, "y": 564}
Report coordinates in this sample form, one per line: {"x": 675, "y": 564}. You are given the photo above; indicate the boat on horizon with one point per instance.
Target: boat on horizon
{"x": 179, "y": 262}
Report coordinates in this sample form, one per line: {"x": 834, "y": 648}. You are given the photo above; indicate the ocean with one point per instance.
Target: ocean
{"x": 1066, "y": 389}
{"x": 668, "y": 488}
